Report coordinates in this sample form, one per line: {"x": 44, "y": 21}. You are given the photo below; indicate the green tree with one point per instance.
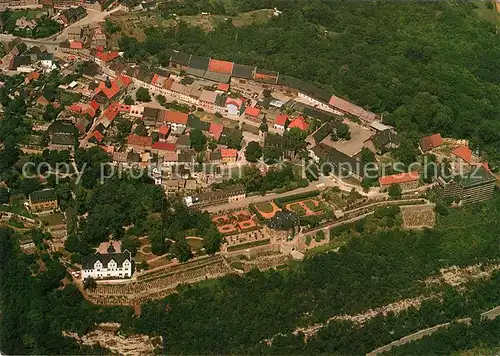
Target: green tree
{"x": 253, "y": 151}
{"x": 212, "y": 240}
{"x": 30, "y": 185}
{"x": 161, "y": 100}
{"x": 272, "y": 155}
{"x": 251, "y": 178}
{"x": 367, "y": 156}
{"x": 131, "y": 244}
{"x": 198, "y": 140}
{"x": 142, "y": 94}
{"x": 441, "y": 208}
{"x": 182, "y": 250}
{"x": 394, "y": 191}
{"x": 128, "y": 100}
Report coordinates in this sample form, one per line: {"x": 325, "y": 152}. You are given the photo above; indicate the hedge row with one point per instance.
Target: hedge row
{"x": 291, "y": 198}
{"x": 248, "y": 245}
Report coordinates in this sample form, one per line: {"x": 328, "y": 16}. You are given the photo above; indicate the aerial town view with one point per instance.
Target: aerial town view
{"x": 280, "y": 177}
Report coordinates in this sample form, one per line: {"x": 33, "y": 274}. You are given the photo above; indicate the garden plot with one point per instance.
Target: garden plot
{"x": 418, "y": 216}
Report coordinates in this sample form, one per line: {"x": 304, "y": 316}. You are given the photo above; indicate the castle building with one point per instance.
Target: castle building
{"x": 108, "y": 263}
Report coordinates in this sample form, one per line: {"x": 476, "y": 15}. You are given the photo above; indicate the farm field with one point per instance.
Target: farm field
{"x": 418, "y": 216}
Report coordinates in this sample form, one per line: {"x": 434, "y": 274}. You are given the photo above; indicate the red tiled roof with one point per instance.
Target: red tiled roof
{"x": 164, "y": 130}
{"x": 167, "y": 84}
{"x": 109, "y": 92}
{"x": 97, "y": 135}
{"x": 263, "y": 76}
{"x": 464, "y": 153}
{"x": 108, "y": 149}
{"x": 228, "y": 152}
{"x": 94, "y": 105}
{"x": 218, "y": 66}
{"x": 123, "y": 80}
{"x": 42, "y": 100}
{"x": 76, "y": 45}
{"x": 300, "y": 123}
{"x": 32, "y": 76}
{"x": 281, "y": 119}
{"x": 75, "y": 107}
{"x": 137, "y": 140}
{"x": 164, "y": 146}
{"x": 250, "y": 111}
{"x": 176, "y": 117}
{"x": 111, "y": 111}
{"x": 429, "y": 142}
{"x": 486, "y": 166}
{"x": 223, "y": 86}
{"x": 399, "y": 178}
{"x": 352, "y": 109}
{"x": 107, "y": 56}
{"x": 155, "y": 79}
{"x": 216, "y": 130}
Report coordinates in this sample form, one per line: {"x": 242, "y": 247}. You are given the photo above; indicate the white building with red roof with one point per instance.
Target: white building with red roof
{"x": 229, "y": 155}
{"x": 280, "y": 122}
{"x": 176, "y": 119}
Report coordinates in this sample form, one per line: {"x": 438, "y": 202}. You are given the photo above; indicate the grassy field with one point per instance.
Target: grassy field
{"x": 52, "y": 219}
{"x": 265, "y": 207}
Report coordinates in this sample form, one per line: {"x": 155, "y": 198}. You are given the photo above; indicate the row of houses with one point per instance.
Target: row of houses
{"x": 227, "y": 73}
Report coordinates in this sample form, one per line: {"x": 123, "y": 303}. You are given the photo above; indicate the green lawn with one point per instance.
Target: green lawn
{"x": 310, "y": 204}
{"x": 265, "y": 207}
{"x": 297, "y": 208}
{"x": 53, "y": 219}
{"x": 196, "y": 244}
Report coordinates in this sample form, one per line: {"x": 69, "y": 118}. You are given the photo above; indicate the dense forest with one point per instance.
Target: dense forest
{"x": 480, "y": 338}
{"x": 429, "y": 66}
